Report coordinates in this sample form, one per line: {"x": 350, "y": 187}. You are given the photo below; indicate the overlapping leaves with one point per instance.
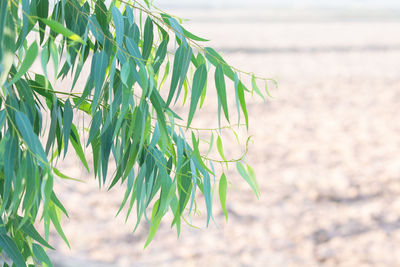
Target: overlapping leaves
{"x": 133, "y": 123}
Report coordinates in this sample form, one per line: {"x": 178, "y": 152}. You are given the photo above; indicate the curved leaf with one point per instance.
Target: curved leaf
{"x": 8, "y": 245}
{"x": 59, "y": 28}
{"x": 30, "y": 57}
{"x": 199, "y": 82}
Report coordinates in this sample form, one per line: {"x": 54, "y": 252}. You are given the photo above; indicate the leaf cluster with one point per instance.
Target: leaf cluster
{"x": 124, "y": 52}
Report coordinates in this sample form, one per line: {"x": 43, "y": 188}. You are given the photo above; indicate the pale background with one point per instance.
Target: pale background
{"x": 326, "y": 147}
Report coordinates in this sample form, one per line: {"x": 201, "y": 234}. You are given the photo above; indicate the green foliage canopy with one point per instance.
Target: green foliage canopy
{"x": 129, "y": 50}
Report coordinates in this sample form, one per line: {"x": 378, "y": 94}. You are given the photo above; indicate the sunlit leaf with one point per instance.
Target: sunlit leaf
{"x": 55, "y": 219}
{"x": 30, "y": 230}
{"x": 249, "y": 178}
{"x": 59, "y": 28}
{"x": 30, "y": 57}
{"x": 220, "y": 148}
{"x": 255, "y": 87}
{"x": 222, "y": 194}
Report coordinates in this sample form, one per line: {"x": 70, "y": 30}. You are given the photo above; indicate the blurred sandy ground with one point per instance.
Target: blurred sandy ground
{"x": 326, "y": 152}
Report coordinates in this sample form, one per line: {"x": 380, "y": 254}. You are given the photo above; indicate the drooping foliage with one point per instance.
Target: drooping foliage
{"x": 118, "y": 57}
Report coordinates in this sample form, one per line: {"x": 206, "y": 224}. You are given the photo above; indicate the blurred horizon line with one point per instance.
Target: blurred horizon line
{"x": 227, "y": 4}
{"x": 320, "y": 14}
{"x": 307, "y": 50}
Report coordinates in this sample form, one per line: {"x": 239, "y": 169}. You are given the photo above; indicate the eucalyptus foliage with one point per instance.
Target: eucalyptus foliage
{"x": 129, "y": 49}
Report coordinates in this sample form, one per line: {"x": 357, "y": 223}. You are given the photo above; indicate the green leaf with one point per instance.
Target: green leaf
{"x": 216, "y": 60}
{"x": 30, "y": 230}
{"x": 67, "y": 122}
{"x": 160, "y": 55}
{"x": 8, "y": 245}
{"x": 41, "y": 255}
{"x": 196, "y": 153}
{"x": 199, "y": 82}
{"x": 220, "y": 148}
{"x": 119, "y": 26}
{"x": 101, "y": 15}
{"x": 147, "y": 38}
{"x": 42, "y": 10}
{"x": 30, "y": 138}
{"x": 59, "y": 28}
{"x": 25, "y": 20}
{"x": 192, "y": 36}
{"x": 55, "y": 219}
{"x": 255, "y": 87}
{"x": 11, "y": 146}
{"x": 179, "y": 71}
{"x": 64, "y": 176}
{"x": 57, "y": 202}
{"x": 222, "y": 194}
{"x": 44, "y": 60}
{"x": 242, "y": 102}
{"x": 158, "y": 105}
{"x": 252, "y": 176}
{"x": 126, "y": 75}
{"x": 221, "y": 89}
{"x": 7, "y": 45}
{"x": 207, "y": 193}
{"x": 99, "y": 66}
{"x": 134, "y": 51}
{"x": 266, "y": 88}
{"x": 76, "y": 143}
{"x": 30, "y": 57}
{"x": 54, "y": 56}
{"x": 249, "y": 178}
{"x": 154, "y": 224}
{"x": 3, "y": 17}
{"x": 95, "y": 126}
{"x": 2, "y": 117}
{"x": 47, "y": 189}
{"x": 176, "y": 27}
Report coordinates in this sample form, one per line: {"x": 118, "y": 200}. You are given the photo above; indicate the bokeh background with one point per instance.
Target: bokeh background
{"x": 326, "y": 147}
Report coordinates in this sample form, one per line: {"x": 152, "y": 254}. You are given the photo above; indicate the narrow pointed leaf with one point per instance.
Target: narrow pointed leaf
{"x": 30, "y": 57}
{"x": 255, "y": 87}
{"x": 147, "y": 38}
{"x": 76, "y": 143}
{"x": 101, "y": 62}
{"x": 249, "y": 179}
{"x": 243, "y": 103}
{"x": 176, "y": 72}
{"x": 199, "y": 82}
{"x": 192, "y": 36}
{"x": 42, "y": 10}
{"x": 222, "y": 194}
{"x": 56, "y": 222}
{"x": 221, "y": 89}
{"x": 155, "y": 222}
{"x": 119, "y": 25}
{"x": 41, "y": 255}
{"x": 30, "y": 138}
{"x": 59, "y": 28}
{"x": 30, "y": 230}
{"x": 8, "y": 245}
{"x": 220, "y": 148}
{"x": 67, "y": 120}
